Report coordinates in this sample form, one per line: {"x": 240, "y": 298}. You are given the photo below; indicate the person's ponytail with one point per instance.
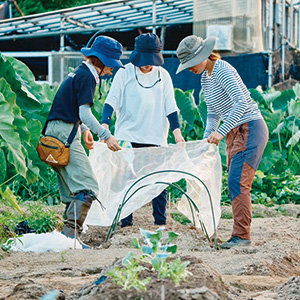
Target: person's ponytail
{"x": 214, "y": 56}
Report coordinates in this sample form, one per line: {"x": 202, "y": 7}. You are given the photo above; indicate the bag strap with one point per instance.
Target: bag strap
{"x": 44, "y": 128}
{"x": 72, "y": 134}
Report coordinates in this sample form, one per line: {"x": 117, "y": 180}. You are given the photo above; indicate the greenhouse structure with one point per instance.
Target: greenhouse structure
{"x": 259, "y": 34}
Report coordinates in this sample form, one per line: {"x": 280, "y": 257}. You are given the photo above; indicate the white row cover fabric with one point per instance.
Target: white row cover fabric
{"x": 117, "y": 171}
{"x": 43, "y": 242}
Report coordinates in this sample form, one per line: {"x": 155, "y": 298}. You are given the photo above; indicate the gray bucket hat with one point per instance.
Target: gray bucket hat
{"x": 193, "y": 50}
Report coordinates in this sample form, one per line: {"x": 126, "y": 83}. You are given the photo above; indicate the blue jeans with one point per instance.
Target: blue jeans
{"x": 159, "y": 203}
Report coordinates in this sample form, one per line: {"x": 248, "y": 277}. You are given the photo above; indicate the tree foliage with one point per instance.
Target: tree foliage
{"x": 30, "y": 7}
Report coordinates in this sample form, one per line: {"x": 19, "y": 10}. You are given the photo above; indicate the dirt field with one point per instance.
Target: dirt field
{"x": 268, "y": 269}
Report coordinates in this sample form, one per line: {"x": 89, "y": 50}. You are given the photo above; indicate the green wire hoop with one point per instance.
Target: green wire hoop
{"x": 116, "y": 219}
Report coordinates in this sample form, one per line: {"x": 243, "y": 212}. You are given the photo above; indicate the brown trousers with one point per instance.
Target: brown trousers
{"x": 245, "y": 146}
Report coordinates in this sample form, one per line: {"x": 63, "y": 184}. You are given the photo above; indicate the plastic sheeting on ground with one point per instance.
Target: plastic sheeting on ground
{"x": 43, "y": 242}
{"x": 117, "y": 171}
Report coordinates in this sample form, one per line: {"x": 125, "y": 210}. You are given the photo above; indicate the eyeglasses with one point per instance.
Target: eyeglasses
{"x": 147, "y": 87}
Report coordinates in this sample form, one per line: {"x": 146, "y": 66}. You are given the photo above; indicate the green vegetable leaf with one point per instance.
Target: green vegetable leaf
{"x": 172, "y": 236}
{"x": 135, "y": 243}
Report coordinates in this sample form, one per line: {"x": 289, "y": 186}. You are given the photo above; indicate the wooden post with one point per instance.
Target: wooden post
{"x": 17, "y": 7}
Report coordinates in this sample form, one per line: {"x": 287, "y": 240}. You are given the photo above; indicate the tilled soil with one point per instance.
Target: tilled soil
{"x": 268, "y": 269}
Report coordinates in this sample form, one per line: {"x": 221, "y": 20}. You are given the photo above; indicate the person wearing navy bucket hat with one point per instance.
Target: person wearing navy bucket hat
{"x": 228, "y": 99}
{"x": 147, "y": 51}
{"x": 107, "y": 50}
{"x": 142, "y": 95}
{"x": 71, "y": 107}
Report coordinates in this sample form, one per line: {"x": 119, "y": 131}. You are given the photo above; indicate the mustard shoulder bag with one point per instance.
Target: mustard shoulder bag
{"x": 52, "y": 150}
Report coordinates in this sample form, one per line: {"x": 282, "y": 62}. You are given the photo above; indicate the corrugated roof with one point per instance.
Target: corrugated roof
{"x": 106, "y": 16}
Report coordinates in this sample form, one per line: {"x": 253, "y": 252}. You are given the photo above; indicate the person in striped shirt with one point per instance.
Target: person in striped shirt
{"x": 228, "y": 100}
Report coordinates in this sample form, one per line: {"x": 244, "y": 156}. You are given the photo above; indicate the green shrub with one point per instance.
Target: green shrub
{"x": 44, "y": 190}
{"x": 40, "y": 217}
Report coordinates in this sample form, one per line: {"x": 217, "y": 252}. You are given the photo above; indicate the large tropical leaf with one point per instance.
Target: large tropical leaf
{"x": 36, "y": 167}
{"x": 270, "y": 158}
{"x": 294, "y": 108}
{"x": 186, "y": 104}
{"x": 281, "y": 102}
{"x": 271, "y": 96}
{"x": 33, "y": 172}
{"x": 202, "y": 108}
{"x": 8, "y": 198}
{"x": 8, "y": 72}
{"x": 294, "y": 139}
{"x": 11, "y": 139}
{"x": 273, "y": 119}
{"x": 257, "y": 97}
{"x": 3, "y": 165}
{"x": 296, "y": 90}
{"x": 26, "y": 77}
{"x": 26, "y": 100}
{"x": 19, "y": 122}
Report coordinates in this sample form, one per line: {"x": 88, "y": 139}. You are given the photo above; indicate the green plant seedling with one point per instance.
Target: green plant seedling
{"x": 158, "y": 250}
{"x": 63, "y": 256}
{"x": 128, "y": 277}
{"x": 11, "y": 242}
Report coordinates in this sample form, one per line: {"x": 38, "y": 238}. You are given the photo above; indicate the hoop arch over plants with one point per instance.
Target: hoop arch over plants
{"x": 192, "y": 204}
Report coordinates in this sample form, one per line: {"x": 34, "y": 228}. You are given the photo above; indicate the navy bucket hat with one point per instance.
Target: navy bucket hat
{"x": 147, "y": 51}
{"x": 107, "y": 49}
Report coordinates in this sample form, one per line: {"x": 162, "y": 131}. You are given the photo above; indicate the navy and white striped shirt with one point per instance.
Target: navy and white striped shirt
{"x": 227, "y": 99}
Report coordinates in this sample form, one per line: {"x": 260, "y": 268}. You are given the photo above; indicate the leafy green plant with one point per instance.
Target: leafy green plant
{"x": 281, "y": 110}
{"x": 269, "y": 189}
{"x": 156, "y": 252}
{"x": 40, "y": 217}
{"x": 128, "y": 277}
{"x": 192, "y": 117}
{"x": 8, "y": 199}
{"x": 63, "y": 256}
{"x": 24, "y": 107}
{"x": 276, "y": 189}
{"x": 42, "y": 190}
